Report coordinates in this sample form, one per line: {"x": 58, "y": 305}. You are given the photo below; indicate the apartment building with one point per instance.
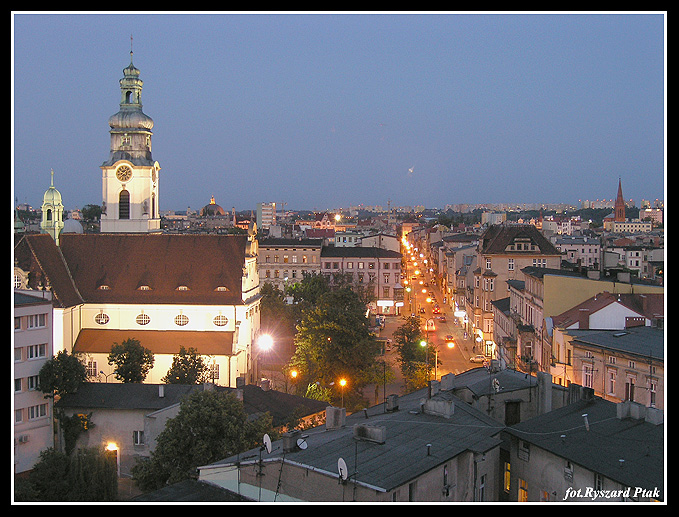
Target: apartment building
{"x": 32, "y": 412}
{"x": 376, "y": 269}
{"x": 503, "y": 251}
{"x": 285, "y": 261}
{"x": 585, "y": 251}
{"x": 589, "y": 450}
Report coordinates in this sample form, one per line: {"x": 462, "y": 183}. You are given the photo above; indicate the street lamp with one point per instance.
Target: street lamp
{"x": 342, "y": 383}
{"x": 264, "y": 344}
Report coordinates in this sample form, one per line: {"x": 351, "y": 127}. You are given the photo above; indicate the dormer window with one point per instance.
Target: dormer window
{"x": 104, "y": 287}
{"x": 182, "y": 288}
{"x": 222, "y": 288}
{"x": 144, "y": 287}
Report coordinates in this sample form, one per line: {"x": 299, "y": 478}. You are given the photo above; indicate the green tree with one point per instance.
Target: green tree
{"x": 132, "y": 361}
{"x": 188, "y": 367}
{"x": 333, "y": 341}
{"x": 276, "y": 315}
{"x": 211, "y": 425}
{"x": 61, "y": 374}
{"x": 411, "y": 354}
{"x": 91, "y": 212}
{"x": 85, "y": 475}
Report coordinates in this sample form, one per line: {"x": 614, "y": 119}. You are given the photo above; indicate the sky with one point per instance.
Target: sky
{"x": 326, "y": 110}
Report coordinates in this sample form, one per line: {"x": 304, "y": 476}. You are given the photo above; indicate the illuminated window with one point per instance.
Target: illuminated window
{"x": 101, "y": 318}
{"x": 181, "y": 320}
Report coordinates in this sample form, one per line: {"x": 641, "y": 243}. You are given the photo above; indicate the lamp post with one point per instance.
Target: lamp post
{"x": 342, "y": 383}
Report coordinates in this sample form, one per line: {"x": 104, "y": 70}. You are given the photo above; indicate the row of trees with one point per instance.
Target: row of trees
{"x": 132, "y": 363}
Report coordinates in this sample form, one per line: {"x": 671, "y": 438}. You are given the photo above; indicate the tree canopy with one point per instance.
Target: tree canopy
{"x": 211, "y": 425}
{"x": 333, "y": 341}
{"x": 188, "y": 367}
{"x": 132, "y": 361}
{"x": 61, "y": 374}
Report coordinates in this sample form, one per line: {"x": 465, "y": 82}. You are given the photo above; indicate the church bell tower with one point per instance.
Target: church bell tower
{"x": 52, "y": 221}
{"x": 130, "y": 176}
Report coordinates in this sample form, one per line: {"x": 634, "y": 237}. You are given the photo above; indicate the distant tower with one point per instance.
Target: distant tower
{"x": 52, "y": 212}
{"x": 619, "y": 205}
{"x": 130, "y": 176}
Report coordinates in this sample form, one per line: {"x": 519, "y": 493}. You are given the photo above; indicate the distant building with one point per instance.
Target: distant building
{"x": 266, "y": 215}
{"x": 284, "y": 262}
{"x": 375, "y": 269}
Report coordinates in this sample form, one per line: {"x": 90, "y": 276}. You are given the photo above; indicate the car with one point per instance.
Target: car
{"x": 478, "y": 358}
{"x": 449, "y": 337}
{"x": 442, "y": 318}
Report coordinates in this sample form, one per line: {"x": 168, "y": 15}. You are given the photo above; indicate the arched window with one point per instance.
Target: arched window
{"x": 124, "y": 205}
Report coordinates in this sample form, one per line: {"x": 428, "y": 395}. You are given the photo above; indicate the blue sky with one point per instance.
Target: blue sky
{"x": 323, "y": 110}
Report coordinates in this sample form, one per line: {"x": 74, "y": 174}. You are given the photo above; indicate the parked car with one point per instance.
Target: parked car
{"x": 442, "y": 318}
{"x": 478, "y": 358}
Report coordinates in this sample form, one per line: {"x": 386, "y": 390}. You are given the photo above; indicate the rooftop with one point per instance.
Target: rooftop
{"x": 417, "y": 438}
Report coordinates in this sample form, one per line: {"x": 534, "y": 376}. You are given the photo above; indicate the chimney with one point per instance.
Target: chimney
{"x": 447, "y": 381}
{"x": 370, "y": 433}
{"x": 544, "y": 392}
{"x": 583, "y": 319}
{"x": 240, "y": 385}
{"x": 161, "y": 390}
{"x": 335, "y": 417}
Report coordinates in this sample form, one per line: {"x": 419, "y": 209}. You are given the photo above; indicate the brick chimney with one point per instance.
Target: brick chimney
{"x": 583, "y": 319}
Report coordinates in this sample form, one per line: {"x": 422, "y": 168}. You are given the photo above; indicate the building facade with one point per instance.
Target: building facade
{"x": 32, "y": 412}
{"x": 283, "y": 262}
{"x": 375, "y": 269}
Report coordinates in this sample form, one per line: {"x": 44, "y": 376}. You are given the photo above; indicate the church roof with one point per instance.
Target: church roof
{"x": 138, "y": 268}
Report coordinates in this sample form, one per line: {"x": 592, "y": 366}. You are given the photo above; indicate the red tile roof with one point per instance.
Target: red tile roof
{"x": 117, "y": 268}
{"x": 99, "y": 341}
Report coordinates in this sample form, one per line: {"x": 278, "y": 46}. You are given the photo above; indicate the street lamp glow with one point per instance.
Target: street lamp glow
{"x": 111, "y": 446}
{"x": 265, "y": 342}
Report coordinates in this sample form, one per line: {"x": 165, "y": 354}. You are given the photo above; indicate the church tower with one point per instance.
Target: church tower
{"x": 130, "y": 176}
{"x": 52, "y": 221}
{"x": 619, "y": 214}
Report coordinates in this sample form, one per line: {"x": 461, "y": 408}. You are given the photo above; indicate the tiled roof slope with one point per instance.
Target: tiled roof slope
{"x": 497, "y": 237}
{"x": 125, "y": 262}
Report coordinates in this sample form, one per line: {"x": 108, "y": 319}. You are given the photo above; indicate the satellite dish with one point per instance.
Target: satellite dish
{"x": 267, "y": 443}
{"x": 342, "y": 468}
{"x": 301, "y": 443}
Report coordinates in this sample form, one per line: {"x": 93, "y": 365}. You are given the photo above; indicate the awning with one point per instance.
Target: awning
{"x": 100, "y": 341}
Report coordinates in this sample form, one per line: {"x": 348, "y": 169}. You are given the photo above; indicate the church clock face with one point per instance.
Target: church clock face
{"x": 124, "y": 173}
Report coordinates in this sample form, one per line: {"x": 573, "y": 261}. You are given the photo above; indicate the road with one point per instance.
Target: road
{"x": 456, "y": 359}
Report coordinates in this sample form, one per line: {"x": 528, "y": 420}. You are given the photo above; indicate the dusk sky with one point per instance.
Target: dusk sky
{"x": 329, "y": 110}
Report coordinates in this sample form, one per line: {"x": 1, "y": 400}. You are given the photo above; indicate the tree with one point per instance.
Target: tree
{"x": 61, "y": 374}
{"x": 188, "y": 367}
{"x": 333, "y": 341}
{"x": 411, "y": 355}
{"x": 132, "y": 361}
{"x": 86, "y": 475}
{"x": 211, "y": 425}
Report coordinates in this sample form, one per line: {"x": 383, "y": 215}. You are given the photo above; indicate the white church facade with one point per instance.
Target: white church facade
{"x": 131, "y": 280}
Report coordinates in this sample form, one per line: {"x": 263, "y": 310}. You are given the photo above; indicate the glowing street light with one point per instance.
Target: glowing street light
{"x": 342, "y": 383}
{"x": 265, "y": 342}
